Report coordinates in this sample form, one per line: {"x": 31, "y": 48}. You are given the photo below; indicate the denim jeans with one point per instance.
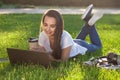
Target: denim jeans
{"x": 94, "y": 38}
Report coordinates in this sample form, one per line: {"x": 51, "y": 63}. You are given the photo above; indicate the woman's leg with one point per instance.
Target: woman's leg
{"x": 86, "y": 17}
{"x": 94, "y": 37}
{"x": 83, "y": 33}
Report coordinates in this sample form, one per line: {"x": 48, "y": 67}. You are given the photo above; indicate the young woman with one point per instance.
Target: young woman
{"x": 59, "y": 43}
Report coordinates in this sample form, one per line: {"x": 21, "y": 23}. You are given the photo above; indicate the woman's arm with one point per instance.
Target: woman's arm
{"x": 65, "y": 53}
{"x": 64, "y": 56}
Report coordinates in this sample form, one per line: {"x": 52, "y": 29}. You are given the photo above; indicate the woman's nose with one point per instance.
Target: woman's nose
{"x": 48, "y": 28}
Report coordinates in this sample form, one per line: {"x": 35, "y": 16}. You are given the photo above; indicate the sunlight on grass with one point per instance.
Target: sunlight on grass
{"x": 15, "y": 29}
{"x": 15, "y": 39}
{"x": 108, "y": 74}
{"x": 72, "y": 74}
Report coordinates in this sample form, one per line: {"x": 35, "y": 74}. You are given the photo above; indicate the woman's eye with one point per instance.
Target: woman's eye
{"x": 45, "y": 24}
{"x": 52, "y": 26}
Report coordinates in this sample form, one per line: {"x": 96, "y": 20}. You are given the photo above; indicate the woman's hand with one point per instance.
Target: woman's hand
{"x": 53, "y": 59}
{"x": 35, "y": 49}
{"x": 38, "y": 49}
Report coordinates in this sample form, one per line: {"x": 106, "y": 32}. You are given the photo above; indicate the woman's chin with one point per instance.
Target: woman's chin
{"x": 49, "y": 35}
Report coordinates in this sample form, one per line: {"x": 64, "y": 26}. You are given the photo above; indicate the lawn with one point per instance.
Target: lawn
{"x": 15, "y": 29}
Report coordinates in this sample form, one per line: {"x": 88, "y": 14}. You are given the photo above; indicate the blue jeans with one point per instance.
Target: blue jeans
{"x": 94, "y": 37}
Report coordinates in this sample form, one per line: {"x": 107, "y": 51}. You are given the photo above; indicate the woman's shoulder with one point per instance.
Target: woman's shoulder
{"x": 65, "y": 32}
{"x": 42, "y": 34}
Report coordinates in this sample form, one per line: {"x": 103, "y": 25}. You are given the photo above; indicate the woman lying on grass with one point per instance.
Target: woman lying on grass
{"x": 59, "y": 43}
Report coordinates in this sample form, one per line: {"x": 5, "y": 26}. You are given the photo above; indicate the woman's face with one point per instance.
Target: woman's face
{"x": 49, "y": 26}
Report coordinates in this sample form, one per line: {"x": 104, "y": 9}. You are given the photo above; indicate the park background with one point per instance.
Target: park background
{"x": 68, "y": 3}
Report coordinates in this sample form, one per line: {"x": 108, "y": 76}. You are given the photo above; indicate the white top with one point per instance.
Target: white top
{"x": 66, "y": 41}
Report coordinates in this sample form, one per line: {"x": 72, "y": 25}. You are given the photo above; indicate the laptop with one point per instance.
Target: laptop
{"x": 27, "y": 57}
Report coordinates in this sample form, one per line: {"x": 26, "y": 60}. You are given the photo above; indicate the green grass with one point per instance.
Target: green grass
{"x": 15, "y": 29}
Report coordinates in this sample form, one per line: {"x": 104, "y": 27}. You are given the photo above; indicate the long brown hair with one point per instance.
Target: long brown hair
{"x": 58, "y": 31}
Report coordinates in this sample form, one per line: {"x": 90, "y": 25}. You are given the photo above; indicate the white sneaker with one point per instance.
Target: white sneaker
{"x": 94, "y": 18}
{"x": 87, "y": 12}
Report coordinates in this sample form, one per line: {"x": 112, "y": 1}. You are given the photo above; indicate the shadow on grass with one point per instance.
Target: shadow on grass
{"x": 5, "y": 68}
{"x": 16, "y": 72}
